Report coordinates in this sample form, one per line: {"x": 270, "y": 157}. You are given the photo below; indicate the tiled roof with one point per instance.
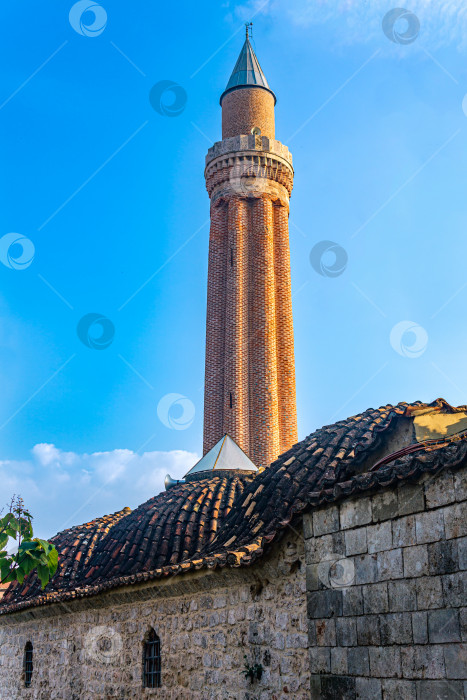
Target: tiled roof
{"x": 229, "y": 520}
{"x": 166, "y": 530}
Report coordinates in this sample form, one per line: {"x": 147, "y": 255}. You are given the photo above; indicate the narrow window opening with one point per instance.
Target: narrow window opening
{"x": 231, "y": 400}
{"x": 231, "y": 257}
{"x": 28, "y": 665}
{"x": 152, "y": 661}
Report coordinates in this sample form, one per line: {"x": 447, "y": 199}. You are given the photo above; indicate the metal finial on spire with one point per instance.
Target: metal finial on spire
{"x": 248, "y": 30}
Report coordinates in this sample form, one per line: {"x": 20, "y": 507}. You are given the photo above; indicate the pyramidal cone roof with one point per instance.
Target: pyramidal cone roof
{"x": 225, "y": 455}
{"x": 247, "y": 72}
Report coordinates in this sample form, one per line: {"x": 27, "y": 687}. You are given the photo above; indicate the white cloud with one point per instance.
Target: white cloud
{"x": 62, "y": 489}
{"x": 442, "y": 22}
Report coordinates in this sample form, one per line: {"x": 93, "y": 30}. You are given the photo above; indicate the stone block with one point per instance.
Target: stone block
{"x": 338, "y": 543}
{"x": 462, "y": 552}
{"x": 368, "y": 633}
{"x": 411, "y": 499}
{"x": 315, "y": 687}
{"x": 338, "y": 688}
{"x": 379, "y": 537}
{"x": 455, "y": 659}
{"x": 375, "y": 598}
{"x": 326, "y": 520}
{"x": 455, "y": 520}
{"x": 325, "y": 632}
{"x": 320, "y": 660}
{"x": 358, "y": 662}
{"x": 443, "y": 557}
{"x": 390, "y": 564}
{"x": 384, "y": 506}
{"x": 355, "y": 541}
{"x": 429, "y": 593}
{"x": 395, "y": 628}
{"x": 368, "y": 688}
{"x": 313, "y": 582}
{"x": 352, "y": 601}
{"x": 346, "y": 631}
{"x": 460, "y": 484}
{"x": 366, "y": 569}
{"x": 443, "y": 626}
{"x": 429, "y": 526}
{"x": 354, "y": 513}
{"x": 385, "y": 662}
{"x": 423, "y": 661}
{"x": 318, "y": 549}
{"x": 307, "y": 525}
{"x": 463, "y": 623}
{"x": 415, "y": 561}
{"x": 439, "y": 690}
{"x": 339, "y": 660}
{"x": 420, "y": 627}
{"x": 327, "y": 603}
{"x": 402, "y": 595}
{"x": 439, "y": 490}
{"x": 399, "y": 690}
{"x": 403, "y": 531}
{"x": 454, "y": 589}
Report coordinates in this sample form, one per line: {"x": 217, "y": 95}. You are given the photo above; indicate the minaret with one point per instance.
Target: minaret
{"x": 250, "y": 367}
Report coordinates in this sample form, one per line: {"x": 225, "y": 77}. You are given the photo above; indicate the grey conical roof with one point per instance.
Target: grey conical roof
{"x": 247, "y": 72}
{"x": 225, "y": 454}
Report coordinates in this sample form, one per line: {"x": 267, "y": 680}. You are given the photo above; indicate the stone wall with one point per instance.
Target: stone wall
{"x": 386, "y": 593}
{"x": 207, "y": 623}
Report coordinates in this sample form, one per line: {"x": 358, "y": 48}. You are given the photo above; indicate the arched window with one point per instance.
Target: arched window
{"x": 28, "y": 664}
{"x": 152, "y": 661}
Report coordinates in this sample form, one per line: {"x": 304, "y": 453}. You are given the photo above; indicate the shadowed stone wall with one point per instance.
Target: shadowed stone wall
{"x": 386, "y": 593}
{"x": 207, "y": 623}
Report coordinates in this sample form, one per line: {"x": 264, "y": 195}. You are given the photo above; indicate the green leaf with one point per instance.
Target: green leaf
{"x": 43, "y": 573}
{"x": 53, "y": 561}
{"x": 27, "y": 545}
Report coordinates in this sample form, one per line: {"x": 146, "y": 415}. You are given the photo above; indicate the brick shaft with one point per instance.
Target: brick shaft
{"x": 250, "y": 368}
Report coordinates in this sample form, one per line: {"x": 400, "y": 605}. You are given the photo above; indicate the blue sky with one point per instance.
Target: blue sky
{"x": 111, "y": 194}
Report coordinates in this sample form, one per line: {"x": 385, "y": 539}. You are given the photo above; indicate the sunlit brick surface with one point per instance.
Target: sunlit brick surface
{"x": 250, "y": 369}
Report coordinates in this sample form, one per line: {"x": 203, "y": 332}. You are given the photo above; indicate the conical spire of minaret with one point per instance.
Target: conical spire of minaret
{"x": 247, "y": 71}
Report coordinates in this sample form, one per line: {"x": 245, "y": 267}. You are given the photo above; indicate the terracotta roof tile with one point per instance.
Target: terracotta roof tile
{"x": 229, "y": 520}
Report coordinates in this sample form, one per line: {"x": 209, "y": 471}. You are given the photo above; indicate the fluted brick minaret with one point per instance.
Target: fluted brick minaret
{"x": 250, "y": 367}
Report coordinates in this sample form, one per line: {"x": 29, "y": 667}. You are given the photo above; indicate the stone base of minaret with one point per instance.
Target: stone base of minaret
{"x": 250, "y": 367}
